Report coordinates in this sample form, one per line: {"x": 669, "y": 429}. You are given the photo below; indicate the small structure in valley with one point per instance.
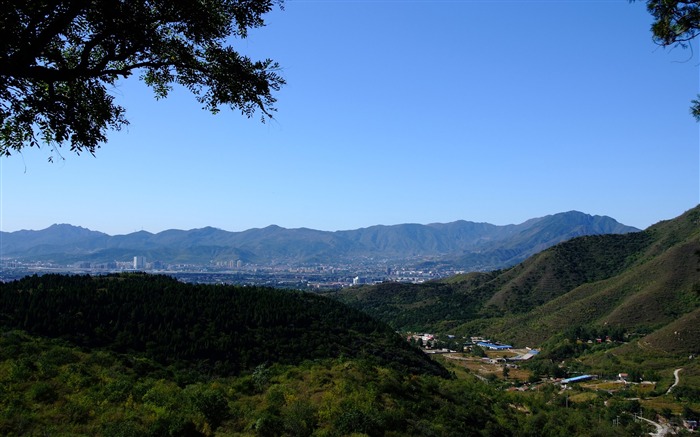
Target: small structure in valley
{"x": 494, "y": 346}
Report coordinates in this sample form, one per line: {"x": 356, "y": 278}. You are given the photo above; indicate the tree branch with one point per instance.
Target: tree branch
{"x": 53, "y": 28}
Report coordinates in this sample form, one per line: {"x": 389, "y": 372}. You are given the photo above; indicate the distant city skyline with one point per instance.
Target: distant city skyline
{"x": 399, "y": 112}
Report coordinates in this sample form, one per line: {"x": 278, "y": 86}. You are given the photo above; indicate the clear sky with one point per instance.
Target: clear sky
{"x": 399, "y": 112}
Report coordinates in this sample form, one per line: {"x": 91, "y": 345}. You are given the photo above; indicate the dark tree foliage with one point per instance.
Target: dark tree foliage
{"x": 59, "y": 59}
{"x": 219, "y": 329}
{"x": 676, "y": 22}
{"x": 412, "y": 307}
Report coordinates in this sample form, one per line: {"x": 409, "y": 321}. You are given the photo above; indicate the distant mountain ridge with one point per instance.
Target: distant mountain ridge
{"x": 461, "y": 243}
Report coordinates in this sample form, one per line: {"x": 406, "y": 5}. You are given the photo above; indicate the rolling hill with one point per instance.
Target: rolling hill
{"x": 221, "y": 330}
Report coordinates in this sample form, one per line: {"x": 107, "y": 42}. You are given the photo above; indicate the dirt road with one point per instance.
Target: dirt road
{"x": 662, "y": 429}
{"x": 675, "y": 375}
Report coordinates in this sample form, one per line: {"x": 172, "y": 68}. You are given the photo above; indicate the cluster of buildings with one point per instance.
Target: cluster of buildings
{"x": 321, "y": 276}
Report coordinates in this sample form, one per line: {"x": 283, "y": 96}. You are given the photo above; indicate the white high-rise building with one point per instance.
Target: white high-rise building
{"x": 139, "y": 262}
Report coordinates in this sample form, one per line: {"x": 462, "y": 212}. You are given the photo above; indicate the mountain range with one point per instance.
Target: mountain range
{"x": 459, "y": 244}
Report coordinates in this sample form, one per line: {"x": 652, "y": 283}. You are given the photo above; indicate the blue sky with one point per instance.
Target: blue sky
{"x": 399, "y": 112}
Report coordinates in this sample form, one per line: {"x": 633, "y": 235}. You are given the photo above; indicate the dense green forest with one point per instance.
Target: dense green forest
{"x": 215, "y": 329}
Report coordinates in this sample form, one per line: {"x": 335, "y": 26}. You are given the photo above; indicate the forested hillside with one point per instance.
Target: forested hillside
{"x": 50, "y": 387}
{"x": 639, "y": 282}
{"x": 139, "y": 355}
{"x": 221, "y": 330}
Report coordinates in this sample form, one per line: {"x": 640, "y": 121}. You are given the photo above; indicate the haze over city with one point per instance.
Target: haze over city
{"x": 399, "y": 112}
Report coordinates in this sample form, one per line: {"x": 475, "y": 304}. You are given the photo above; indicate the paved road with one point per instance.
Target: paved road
{"x": 675, "y": 375}
{"x": 662, "y": 429}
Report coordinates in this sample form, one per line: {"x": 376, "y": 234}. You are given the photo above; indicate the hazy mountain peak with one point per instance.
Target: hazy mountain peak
{"x": 459, "y": 244}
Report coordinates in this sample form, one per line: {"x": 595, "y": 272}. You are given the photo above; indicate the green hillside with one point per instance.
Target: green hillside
{"x": 222, "y": 330}
{"x": 639, "y": 283}
{"x": 50, "y": 387}
{"x": 660, "y": 285}
{"x": 139, "y": 355}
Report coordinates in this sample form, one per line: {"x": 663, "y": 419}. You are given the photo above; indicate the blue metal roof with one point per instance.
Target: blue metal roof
{"x": 494, "y": 346}
{"x": 576, "y": 379}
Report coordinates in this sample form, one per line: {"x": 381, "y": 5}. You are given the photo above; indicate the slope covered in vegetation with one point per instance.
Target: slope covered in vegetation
{"x": 50, "y": 387}
{"x": 215, "y": 329}
{"x": 638, "y": 283}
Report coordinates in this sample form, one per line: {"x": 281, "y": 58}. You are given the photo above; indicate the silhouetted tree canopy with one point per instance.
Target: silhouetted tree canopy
{"x": 59, "y": 59}
{"x": 676, "y": 22}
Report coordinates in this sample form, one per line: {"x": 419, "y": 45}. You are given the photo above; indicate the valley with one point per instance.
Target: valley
{"x": 583, "y": 338}
{"x": 622, "y": 308}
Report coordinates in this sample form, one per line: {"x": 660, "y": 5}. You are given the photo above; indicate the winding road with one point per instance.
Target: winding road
{"x": 675, "y": 375}
{"x": 661, "y": 428}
